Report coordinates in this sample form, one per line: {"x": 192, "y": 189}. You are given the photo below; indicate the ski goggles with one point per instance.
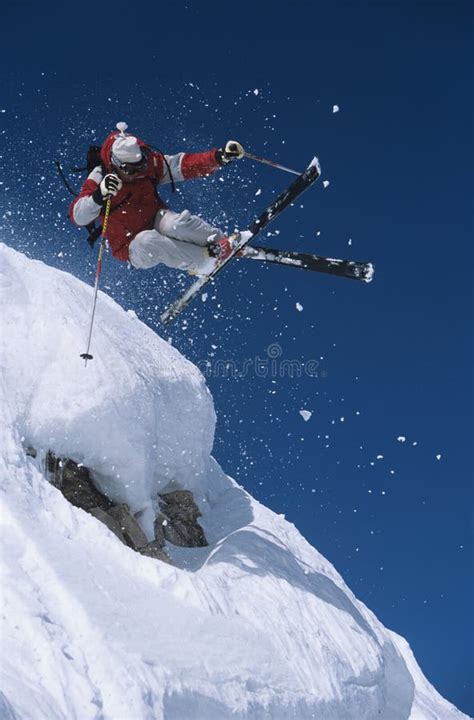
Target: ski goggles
{"x": 130, "y": 169}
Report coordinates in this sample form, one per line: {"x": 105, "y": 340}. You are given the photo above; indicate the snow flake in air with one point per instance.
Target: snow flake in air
{"x": 401, "y": 438}
{"x": 335, "y": 108}
{"x": 326, "y": 183}
{"x": 306, "y": 414}
{"x": 299, "y": 307}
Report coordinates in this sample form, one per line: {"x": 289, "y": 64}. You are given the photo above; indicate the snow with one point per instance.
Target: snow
{"x": 315, "y": 163}
{"x": 401, "y": 438}
{"x": 133, "y": 375}
{"x": 256, "y": 626}
{"x": 299, "y": 307}
{"x": 370, "y": 273}
{"x": 326, "y": 183}
{"x": 305, "y": 414}
{"x": 335, "y": 108}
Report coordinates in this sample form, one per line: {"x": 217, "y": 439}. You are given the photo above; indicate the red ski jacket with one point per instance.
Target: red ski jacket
{"x": 134, "y": 207}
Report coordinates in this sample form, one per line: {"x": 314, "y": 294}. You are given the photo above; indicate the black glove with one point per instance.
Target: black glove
{"x": 232, "y": 150}
{"x": 108, "y": 188}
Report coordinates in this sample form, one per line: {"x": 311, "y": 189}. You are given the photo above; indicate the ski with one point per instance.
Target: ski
{"x": 302, "y": 183}
{"x": 351, "y": 269}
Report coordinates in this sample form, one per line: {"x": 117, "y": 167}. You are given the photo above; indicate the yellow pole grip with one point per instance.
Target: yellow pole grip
{"x": 106, "y": 216}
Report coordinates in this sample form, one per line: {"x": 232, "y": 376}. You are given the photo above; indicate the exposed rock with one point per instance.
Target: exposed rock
{"x": 154, "y": 550}
{"x": 105, "y": 518}
{"x": 131, "y": 530}
{"x": 177, "y": 521}
{"x": 123, "y": 524}
{"x": 75, "y": 483}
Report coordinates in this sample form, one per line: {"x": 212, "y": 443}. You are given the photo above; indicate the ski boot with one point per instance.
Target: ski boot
{"x": 221, "y": 248}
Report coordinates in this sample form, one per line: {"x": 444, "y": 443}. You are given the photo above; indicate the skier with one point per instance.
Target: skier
{"x": 141, "y": 228}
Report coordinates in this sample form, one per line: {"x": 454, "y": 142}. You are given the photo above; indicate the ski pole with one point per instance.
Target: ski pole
{"x": 87, "y": 356}
{"x": 269, "y": 162}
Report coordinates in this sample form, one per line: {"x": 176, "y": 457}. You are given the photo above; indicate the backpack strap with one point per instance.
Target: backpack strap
{"x": 160, "y": 152}
{"x": 64, "y": 178}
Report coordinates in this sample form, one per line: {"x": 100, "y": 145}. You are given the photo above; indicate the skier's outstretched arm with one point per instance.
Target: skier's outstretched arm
{"x": 185, "y": 166}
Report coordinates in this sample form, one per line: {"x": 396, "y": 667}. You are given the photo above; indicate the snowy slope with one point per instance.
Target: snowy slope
{"x": 258, "y": 625}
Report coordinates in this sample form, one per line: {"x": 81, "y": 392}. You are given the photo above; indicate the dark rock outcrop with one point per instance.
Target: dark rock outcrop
{"x": 76, "y": 484}
{"x": 177, "y": 522}
{"x": 112, "y": 524}
{"x": 129, "y": 527}
{"x": 154, "y": 550}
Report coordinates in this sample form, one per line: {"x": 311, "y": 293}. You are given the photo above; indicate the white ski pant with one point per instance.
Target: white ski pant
{"x": 177, "y": 241}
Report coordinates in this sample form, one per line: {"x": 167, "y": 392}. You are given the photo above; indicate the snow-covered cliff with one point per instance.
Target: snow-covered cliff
{"x": 258, "y": 625}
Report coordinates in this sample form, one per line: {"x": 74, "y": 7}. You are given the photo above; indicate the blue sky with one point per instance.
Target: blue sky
{"x": 394, "y": 357}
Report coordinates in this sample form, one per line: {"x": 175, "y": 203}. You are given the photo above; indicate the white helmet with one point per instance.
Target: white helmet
{"x": 127, "y": 156}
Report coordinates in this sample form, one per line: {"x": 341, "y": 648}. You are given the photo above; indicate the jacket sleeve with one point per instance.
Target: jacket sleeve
{"x": 185, "y": 166}
{"x": 83, "y": 210}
